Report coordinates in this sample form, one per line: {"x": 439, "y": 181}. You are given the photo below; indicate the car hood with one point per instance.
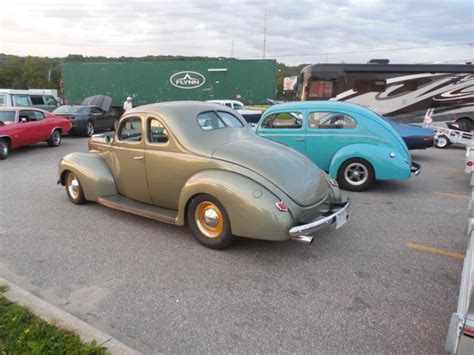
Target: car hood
{"x": 101, "y": 101}
{"x": 407, "y": 130}
{"x": 287, "y": 169}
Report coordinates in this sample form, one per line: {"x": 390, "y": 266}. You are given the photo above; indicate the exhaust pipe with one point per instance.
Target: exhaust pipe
{"x": 303, "y": 239}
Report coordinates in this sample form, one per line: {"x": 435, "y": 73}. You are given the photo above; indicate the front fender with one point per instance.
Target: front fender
{"x": 385, "y": 167}
{"x": 250, "y": 206}
{"x": 93, "y": 173}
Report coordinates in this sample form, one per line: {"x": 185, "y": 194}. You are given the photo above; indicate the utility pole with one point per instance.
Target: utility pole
{"x": 232, "y": 49}
{"x": 264, "y": 32}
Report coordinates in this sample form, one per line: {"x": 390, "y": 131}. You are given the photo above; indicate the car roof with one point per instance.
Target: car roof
{"x": 29, "y": 108}
{"x": 319, "y": 105}
{"x": 181, "y": 118}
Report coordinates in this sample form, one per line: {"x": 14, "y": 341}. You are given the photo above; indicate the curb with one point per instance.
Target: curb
{"x": 63, "y": 319}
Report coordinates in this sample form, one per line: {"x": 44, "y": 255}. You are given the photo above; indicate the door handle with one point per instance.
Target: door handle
{"x": 300, "y": 139}
{"x": 138, "y": 158}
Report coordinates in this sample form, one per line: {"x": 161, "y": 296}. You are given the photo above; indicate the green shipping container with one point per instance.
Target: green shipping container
{"x": 250, "y": 81}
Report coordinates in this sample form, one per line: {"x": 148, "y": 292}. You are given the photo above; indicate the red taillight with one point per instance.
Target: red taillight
{"x": 469, "y": 163}
{"x": 282, "y": 207}
{"x": 427, "y": 139}
{"x": 334, "y": 182}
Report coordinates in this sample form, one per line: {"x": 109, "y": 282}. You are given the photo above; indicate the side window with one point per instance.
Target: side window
{"x": 38, "y": 115}
{"x": 209, "y": 121}
{"x": 20, "y": 100}
{"x": 95, "y": 111}
{"x": 290, "y": 120}
{"x": 37, "y": 100}
{"x": 321, "y": 89}
{"x": 238, "y": 106}
{"x": 50, "y": 100}
{"x": 28, "y": 115}
{"x": 323, "y": 120}
{"x": 157, "y": 133}
{"x": 3, "y": 100}
{"x": 130, "y": 130}
{"x": 228, "y": 104}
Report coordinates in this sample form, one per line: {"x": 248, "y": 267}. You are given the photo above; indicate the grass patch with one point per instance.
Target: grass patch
{"x": 21, "y": 332}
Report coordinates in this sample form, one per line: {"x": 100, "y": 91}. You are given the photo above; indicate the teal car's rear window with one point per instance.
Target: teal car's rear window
{"x": 212, "y": 120}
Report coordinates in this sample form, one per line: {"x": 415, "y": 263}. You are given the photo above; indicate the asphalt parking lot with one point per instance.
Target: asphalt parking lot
{"x": 363, "y": 288}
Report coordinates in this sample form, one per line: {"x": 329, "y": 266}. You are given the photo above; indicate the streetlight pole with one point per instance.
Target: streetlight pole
{"x": 264, "y": 32}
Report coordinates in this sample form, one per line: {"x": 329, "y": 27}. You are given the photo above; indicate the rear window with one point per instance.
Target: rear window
{"x": 7, "y": 116}
{"x": 212, "y": 120}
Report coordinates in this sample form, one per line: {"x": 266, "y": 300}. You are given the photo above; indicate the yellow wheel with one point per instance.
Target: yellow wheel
{"x": 209, "y": 222}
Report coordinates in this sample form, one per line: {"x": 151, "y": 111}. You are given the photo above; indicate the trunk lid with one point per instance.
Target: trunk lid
{"x": 286, "y": 168}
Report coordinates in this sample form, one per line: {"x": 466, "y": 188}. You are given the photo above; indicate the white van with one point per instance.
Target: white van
{"x": 25, "y": 98}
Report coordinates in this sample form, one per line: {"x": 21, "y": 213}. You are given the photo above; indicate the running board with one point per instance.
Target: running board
{"x": 122, "y": 203}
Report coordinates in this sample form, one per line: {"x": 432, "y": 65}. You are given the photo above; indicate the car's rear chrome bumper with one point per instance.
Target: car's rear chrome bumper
{"x": 415, "y": 168}
{"x": 297, "y": 232}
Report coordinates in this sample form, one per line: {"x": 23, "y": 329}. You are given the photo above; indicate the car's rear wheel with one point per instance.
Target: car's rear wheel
{"x": 442, "y": 141}
{"x": 89, "y": 129}
{"x": 355, "y": 175}
{"x": 4, "y": 149}
{"x": 55, "y": 139}
{"x": 74, "y": 189}
{"x": 209, "y": 222}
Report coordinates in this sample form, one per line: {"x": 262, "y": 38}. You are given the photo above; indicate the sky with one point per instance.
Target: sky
{"x": 296, "y": 32}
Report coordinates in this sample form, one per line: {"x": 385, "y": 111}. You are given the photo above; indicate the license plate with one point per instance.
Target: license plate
{"x": 341, "y": 219}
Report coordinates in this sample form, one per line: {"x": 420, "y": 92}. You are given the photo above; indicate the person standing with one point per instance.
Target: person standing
{"x": 127, "y": 105}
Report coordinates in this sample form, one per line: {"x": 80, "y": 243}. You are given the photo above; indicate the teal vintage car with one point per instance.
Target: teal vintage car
{"x": 350, "y": 142}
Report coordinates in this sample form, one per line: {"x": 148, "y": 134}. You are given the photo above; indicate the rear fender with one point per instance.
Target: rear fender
{"x": 385, "y": 167}
{"x": 250, "y": 206}
{"x": 93, "y": 173}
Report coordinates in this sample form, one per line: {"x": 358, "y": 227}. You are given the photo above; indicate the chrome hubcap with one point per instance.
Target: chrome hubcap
{"x": 3, "y": 149}
{"x": 90, "y": 129}
{"x": 209, "y": 219}
{"x": 56, "y": 138}
{"x": 73, "y": 186}
{"x": 356, "y": 173}
{"x": 442, "y": 142}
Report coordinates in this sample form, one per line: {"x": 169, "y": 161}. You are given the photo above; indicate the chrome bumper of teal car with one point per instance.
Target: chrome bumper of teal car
{"x": 302, "y": 233}
{"x": 415, "y": 168}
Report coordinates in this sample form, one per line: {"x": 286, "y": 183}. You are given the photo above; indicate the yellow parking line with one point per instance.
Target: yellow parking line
{"x": 464, "y": 197}
{"x": 440, "y": 251}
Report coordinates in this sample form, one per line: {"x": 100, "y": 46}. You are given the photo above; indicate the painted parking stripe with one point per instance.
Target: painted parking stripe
{"x": 463, "y": 197}
{"x": 440, "y": 251}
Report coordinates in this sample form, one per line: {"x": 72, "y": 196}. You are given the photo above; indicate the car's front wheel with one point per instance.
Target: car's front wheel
{"x": 74, "y": 190}
{"x": 355, "y": 175}
{"x": 4, "y": 149}
{"x": 209, "y": 222}
{"x": 55, "y": 139}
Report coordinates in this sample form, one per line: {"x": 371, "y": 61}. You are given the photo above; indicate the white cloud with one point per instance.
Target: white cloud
{"x": 297, "y": 32}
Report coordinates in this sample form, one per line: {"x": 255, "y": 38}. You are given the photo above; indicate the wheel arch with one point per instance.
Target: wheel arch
{"x": 8, "y": 139}
{"x": 385, "y": 167}
{"x": 249, "y": 216}
{"x": 93, "y": 173}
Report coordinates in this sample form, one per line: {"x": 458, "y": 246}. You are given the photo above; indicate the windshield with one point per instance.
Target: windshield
{"x": 69, "y": 109}
{"x": 211, "y": 120}
{"x": 7, "y": 116}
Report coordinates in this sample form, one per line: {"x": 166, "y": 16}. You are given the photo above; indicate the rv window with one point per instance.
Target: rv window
{"x": 3, "y": 100}
{"x": 324, "y": 120}
{"x": 37, "y": 100}
{"x": 292, "y": 120}
{"x": 369, "y": 85}
{"x": 321, "y": 89}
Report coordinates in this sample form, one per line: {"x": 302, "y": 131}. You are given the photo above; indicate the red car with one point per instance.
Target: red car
{"x": 21, "y": 126}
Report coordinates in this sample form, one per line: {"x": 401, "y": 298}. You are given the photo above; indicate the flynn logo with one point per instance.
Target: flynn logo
{"x": 187, "y": 80}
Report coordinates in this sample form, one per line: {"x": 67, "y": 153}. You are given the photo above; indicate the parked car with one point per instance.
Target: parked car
{"x": 26, "y": 98}
{"x": 200, "y": 164}
{"x": 354, "y": 144}
{"x": 415, "y": 137}
{"x": 92, "y": 115}
{"x": 21, "y": 126}
{"x": 251, "y": 116}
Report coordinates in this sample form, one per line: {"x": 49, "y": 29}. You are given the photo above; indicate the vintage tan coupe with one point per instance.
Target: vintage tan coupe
{"x": 200, "y": 164}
